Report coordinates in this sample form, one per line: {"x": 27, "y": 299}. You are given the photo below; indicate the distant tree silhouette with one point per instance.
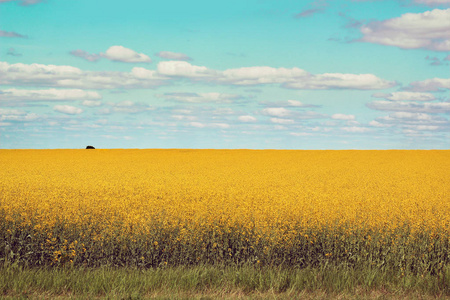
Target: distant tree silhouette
{"x": 90, "y": 147}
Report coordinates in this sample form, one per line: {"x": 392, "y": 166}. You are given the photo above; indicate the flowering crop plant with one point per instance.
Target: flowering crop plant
{"x": 152, "y": 208}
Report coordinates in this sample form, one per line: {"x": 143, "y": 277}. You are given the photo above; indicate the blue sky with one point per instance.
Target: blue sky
{"x": 259, "y": 74}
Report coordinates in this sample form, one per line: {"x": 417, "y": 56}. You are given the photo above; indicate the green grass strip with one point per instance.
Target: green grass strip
{"x": 218, "y": 282}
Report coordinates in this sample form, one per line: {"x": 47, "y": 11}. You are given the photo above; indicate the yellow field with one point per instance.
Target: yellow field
{"x": 152, "y": 207}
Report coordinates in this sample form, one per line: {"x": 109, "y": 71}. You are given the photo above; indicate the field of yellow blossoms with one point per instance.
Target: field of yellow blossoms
{"x": 150, "y": 208}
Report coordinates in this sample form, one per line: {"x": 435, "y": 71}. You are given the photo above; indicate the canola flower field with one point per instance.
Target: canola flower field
{"x": 155, "y": 208}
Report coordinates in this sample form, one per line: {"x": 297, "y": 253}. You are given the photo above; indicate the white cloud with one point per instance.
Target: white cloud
{"x": 184, "y": 69}
{"x": 322, "y": 129}
{"x": 281, "y": 112}
{"x": 50, "y": 94}
{"x": 91, "y": 103}
{"x": 296, "y": 103}
{"x": 68, "y": 76}
{"x": 35, "y": 73}
{"x": 293, "y": 78}
{"x": 184, "y": 118}
{"x": 408, "y": 115}
{"x": 355, "y": 129}
{"x": 114, "y": 53}
{"x": 19, "y": 117}
{"x": 430, "y": 85}
{"x": 277, "y": 111}
{"x": 378, "y": 124}
{"x": 289, "y": 103}
{"x": 408, "y": 122}
{"x": 4, "y": 111}
{"x": 282, "y": 121}
{"x": 209, "y": 125}
{"x": 67, "y": 109}
{"x": 261, "y": 75}
{"x": 340, "y": 81}
{"x": 220, "y": 125}
{"x": 343, "y": 117}
{"x": 427, "y": 30}
{"x": 201, "y": 97}
{"x": 412, "y": 118}
{"x": 173, "y": 55}
{"x": 440, "y": 107}
{"x": 423, "y": 127}
{"x": 247, "y": 118}
{"x": 197, "y": 124}
{"x": 142, "y": 73}
{"x": 301, "y": 134}
{"x": 406, "y": 96}
{"x": 72, "y": 77}
{"x": 433, "y": 2}
{"x": 122, "y": 54}
{"x": 414, "y": 133}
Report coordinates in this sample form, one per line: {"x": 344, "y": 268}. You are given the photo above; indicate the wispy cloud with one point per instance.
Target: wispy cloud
{"x": 11, "y": 34}
{"x": 356, "y": 129}
{"x": 434, "y": 61}
{"x": 127, "y": 106}
{"x": 85, "y": 55}
{"x": 200, "y": 97}
{"x": 23, "y": 2}
{"x": 173, "y": 55}
{"x": 17, "y": 116}
{"x": 13, "y": 52}
{"x": 316, "y": 7}
{"x": 432, "y": 2}
{"x": 440, "y": 107}
{"x": 48, "y": 95}
{"x": 406, "y": 96}
{"x": 411, "y": 123}
{"x": 351, "y": 22}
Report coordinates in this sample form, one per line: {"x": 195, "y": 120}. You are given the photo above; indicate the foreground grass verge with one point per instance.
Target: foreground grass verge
{"x": 219, "y": 282}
